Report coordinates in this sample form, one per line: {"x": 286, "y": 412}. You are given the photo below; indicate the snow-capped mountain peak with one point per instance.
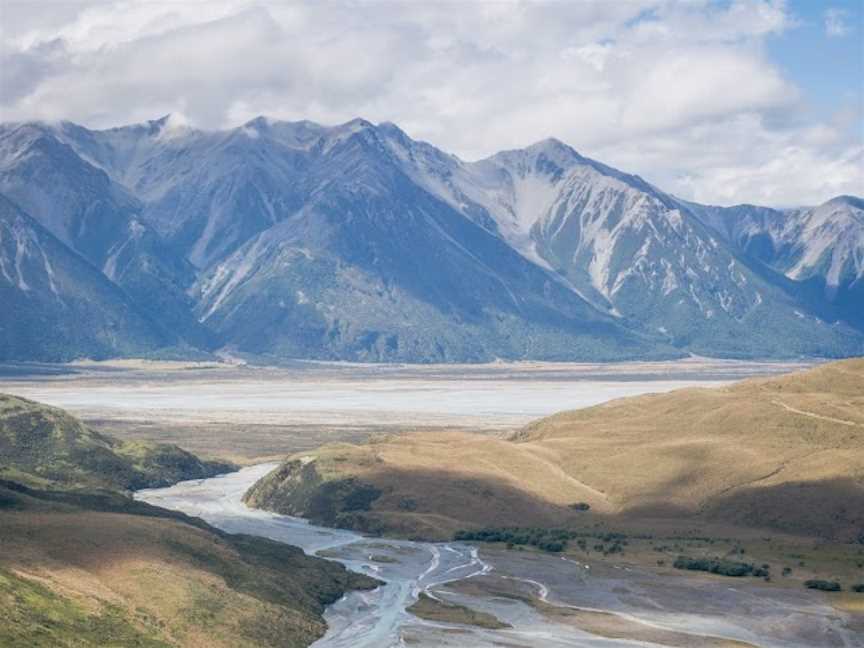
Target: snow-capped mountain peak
{"x": 357, "y": 241}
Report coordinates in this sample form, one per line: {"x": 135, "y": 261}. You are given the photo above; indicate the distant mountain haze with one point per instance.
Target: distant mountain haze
{"x": 355, "y": 242}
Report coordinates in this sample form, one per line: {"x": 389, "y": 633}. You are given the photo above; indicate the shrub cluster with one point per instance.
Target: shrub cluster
{"x": 823, "y": 585}
{"x": 552, "y": 540}
{"x": 719, "y": 566}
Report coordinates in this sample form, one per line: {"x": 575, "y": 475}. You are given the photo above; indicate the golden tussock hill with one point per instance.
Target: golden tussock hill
{"x": 785, "y": 453}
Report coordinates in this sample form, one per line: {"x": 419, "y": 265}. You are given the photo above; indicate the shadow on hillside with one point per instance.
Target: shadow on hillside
{"x": 830, "y": 509}
{"x": 431, "y": 504}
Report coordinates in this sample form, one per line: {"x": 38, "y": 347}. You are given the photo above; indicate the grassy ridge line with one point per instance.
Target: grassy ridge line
{"x": 46, "y": 447}
{"x": 729, "y": 455}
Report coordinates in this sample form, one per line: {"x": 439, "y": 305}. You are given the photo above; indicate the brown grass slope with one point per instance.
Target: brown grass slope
{"x": 83, "y": 564}
{"x": 786, "y": 453}
{"x": 73, "y": 576}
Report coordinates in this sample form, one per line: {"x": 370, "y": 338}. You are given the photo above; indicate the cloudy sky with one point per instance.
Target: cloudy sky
{"x": 722, "y": 102}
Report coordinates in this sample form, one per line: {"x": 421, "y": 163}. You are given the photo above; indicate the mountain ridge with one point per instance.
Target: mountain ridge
{"x": 356, "y": 242}
{"x": 56, "y": 304}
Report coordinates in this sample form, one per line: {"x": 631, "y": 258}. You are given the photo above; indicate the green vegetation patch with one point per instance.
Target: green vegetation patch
{"x": 432, "y": 609}
{"x": 551, "y": 540}
{"x": 720, "y": 566}
{"x": 34, "y": 616}
{"x": 45, "y": 447}
{"x": 336, "y": 497}
{"x": 823, "y": 585}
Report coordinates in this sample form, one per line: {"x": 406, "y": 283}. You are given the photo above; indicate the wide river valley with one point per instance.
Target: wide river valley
{"x": 587, "y": 602}
{"x": 541, "y": 600}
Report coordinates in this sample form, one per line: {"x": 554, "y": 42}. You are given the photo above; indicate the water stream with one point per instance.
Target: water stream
{"x": 758, "y": 615}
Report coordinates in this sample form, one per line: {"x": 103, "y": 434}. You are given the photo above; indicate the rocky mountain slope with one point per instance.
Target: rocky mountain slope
{"x": 631, "y": 250}
{"x": 101, "y": 221}
{"x": 57, "y": 306}
{"x": 821, "y": 249}
{"x": 292, "y": 239}
{"x": 375, "y": 268}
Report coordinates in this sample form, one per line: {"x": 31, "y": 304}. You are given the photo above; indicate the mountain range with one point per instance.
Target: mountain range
{"x": 355, "y": 242}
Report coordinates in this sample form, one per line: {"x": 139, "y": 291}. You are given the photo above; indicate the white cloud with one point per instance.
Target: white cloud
{"x": 835, "y": 23}
{"x": 678, "y": 92}
{"x": 741, "y": 160}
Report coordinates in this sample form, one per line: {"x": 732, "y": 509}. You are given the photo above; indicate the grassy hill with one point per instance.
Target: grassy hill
{"x": 83, "y": 564}
{"x": 783, "y": 453}
{"x": 44, "y": 446}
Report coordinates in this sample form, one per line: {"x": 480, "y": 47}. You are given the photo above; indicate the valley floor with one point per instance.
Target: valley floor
{"x": 474, "y": 595}
{"x": 489, "y": 596}
{"x": 249, "y": 414}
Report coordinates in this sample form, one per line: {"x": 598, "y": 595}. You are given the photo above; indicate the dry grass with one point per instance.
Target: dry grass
{"x": 248, "y": 443}
{"x": 755, "y": 451}
{"x": 786, "y": 453}
{"x": 99, "y": 559}
{"x": 79, "y": 577}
